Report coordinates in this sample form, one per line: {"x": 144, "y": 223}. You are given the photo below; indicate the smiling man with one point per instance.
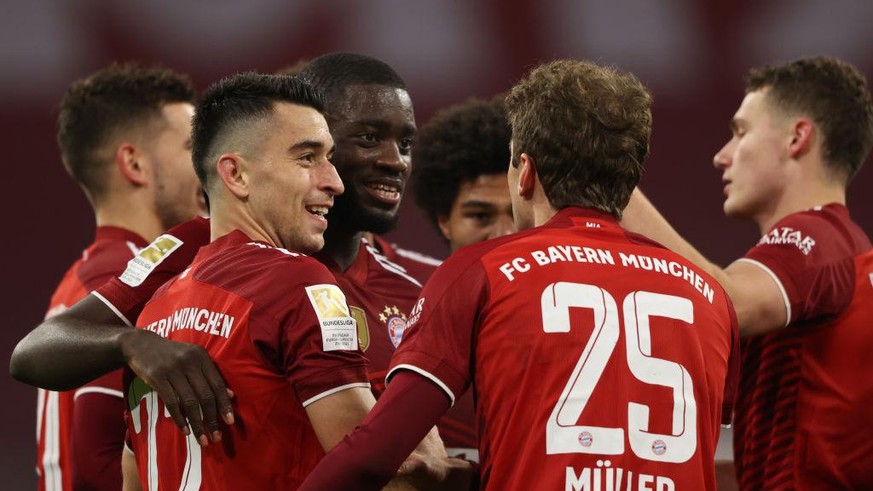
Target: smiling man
{"x": 272, "y": 318}
{"x": 371, "y": 118}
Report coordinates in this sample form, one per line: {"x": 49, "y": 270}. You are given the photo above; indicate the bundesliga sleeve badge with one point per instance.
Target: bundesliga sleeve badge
{"x": 339, "y": 330}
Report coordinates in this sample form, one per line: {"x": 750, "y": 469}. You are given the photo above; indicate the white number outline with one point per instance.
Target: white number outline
{"x": 563, "y": 434}
{"x": 147, "y": 400}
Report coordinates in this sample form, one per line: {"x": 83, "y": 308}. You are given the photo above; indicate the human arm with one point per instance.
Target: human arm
{"x": 185, "y": 377}
{"x": 98, "y": 431}
{"x": 183, "y": 374}
{"x": 129, "y": 472}
{"x": 370, "y": 455}
{"x": 756, "y": 296}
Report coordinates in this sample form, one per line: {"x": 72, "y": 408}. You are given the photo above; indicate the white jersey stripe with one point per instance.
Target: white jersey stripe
{"x": 97, "y": 390}
{"x": 341, "y": 388}
{"x": 424, "y": 373}
{"x": 113, "y": 308}
{"x": 417, "y": 256}
{"x": 51, "y": 446}
{"x": 778, "y": 284}
{"x": 389, "y": 266}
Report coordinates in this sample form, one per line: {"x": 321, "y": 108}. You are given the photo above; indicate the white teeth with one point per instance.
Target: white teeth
{"x": 385, "y": 188}
{"x": 317, "y": 210}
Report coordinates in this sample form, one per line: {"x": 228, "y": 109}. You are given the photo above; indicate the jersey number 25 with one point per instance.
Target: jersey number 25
{"x": 563, "y": 434}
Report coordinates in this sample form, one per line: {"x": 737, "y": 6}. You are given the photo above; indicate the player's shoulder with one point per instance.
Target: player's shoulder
{"x": 107, "y": 257}
{"x": 823, "y": 231}
{"x": 271, "y": 262}
{"x": 416, "y": 257}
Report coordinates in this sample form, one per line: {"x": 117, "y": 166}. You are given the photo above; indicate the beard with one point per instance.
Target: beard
{"x": 348, "y": 214}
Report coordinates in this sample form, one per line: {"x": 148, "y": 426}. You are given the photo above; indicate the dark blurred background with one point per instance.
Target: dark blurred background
{"x": 691, "y": 54}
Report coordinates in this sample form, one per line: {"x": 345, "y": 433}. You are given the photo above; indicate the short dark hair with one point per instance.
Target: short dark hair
{"x": 587, "y": 128}
{"x": 114, "y": 99}
{"x": 834, "y": 94}
{"x": 333, "y": 73}
{"x": 238, "y": 100}
{"x": 457, "y": 145}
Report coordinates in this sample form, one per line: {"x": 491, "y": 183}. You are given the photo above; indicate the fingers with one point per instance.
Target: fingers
{"x": 191, "y": 386}
{"x": 171, "y": 401}
{"x": 188, "y": 403}
{"x": 221, "y": 394}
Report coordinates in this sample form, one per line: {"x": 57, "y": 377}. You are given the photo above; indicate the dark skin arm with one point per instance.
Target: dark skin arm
{"x": 184, "y": 376}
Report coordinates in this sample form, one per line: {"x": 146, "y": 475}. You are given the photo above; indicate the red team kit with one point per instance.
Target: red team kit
{"x": 98, "y": 430}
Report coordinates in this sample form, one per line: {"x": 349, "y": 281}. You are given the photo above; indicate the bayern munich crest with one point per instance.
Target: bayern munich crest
{"x": 395, "y": 321}
{"x": 585, "y": 439}
{"x": 659, "y": 447}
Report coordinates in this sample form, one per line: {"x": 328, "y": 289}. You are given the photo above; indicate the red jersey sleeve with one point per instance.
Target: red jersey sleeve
{"x": 439, "y": 338}
{"x": 807, "y": 257}
{"x": 732, "y": 380}
{"x": 315, "y": 340}
{"x": 154, "y": 265}
{"x": 98, "y": 432}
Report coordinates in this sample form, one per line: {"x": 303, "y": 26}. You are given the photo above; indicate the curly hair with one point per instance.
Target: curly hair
{"x": 457, "y": 145}
{"x": 587, "y": 129}
{"x": 831, "y": 92}
{"x": 118, "y": 98}
{"x": 233, "y": 102}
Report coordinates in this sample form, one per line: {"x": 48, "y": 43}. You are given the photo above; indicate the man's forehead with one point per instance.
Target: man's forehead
{"x": 363, "y": 101}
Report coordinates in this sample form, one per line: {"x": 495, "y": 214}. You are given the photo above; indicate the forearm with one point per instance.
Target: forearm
{"x": 641, "y": 217}
{"x": 369, "y": 457}
{"x": 755, "y": 296}
{"x": 52, "y": 356}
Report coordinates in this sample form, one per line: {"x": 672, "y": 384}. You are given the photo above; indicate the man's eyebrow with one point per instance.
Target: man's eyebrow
{"x": 478, "y": 204}
{"x": 306, "y": 144}
{"x": 735, "y": 124}
{"x": 382, "y": 125}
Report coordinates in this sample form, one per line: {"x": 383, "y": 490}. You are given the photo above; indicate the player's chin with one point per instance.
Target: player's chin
{"x": 312, "y": 244}
{"x": 380, "y": 221}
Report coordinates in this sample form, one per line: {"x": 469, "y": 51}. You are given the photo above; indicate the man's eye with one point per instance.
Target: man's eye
{"x": 481, "y": 218}
{"x": 406, "y": 144}
{"x": 368, "y": 137}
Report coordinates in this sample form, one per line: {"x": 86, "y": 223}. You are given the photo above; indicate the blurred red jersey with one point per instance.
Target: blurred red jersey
{"x": 97, "y": 455}
{"x": 419, "y": 266}
{"x": 280, "y": 331}
{"x": 805, "y": 410}
{"x": 381, "y": 294}
{"x": 598, "y": 358}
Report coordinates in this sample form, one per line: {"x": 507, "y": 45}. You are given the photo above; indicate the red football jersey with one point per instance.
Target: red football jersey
{"x": 805, "y": 410}
{"x": 164, "y": 258}
{"x": 98, "y": 442}
{"x": 598, "y": 358}
{"x": 419, "y": 266}
{"x": 281, "y": 333}
{"x": 381, "y": 294}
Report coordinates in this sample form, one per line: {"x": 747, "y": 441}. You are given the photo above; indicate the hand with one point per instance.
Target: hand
{"x": 185, "y": 378}
{"x": 429, "y": 473}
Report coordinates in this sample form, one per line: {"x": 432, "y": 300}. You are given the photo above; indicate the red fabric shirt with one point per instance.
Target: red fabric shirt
{"x": 805, "y": 413}
{"x": 280, "y": 331}
{"x": 596, "y": 356}
{"x": 83, "y": 446}
{"x": 419, "y": 266}
{"x": 381, "y": 294}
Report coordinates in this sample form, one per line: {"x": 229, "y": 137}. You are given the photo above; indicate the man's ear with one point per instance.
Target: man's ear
{"x": 527, "y": 176}
{"x": 802, "y": 138}
{"x": 130, "y": 164}
{"x": 232, "y": 172}
{"x": 443, "y": 223}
